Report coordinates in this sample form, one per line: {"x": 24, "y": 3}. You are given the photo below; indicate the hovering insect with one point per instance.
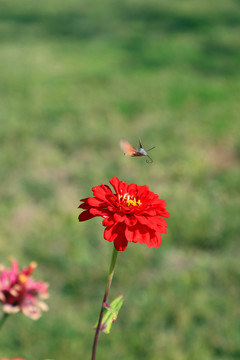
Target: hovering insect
{"x": 130, "y": 150}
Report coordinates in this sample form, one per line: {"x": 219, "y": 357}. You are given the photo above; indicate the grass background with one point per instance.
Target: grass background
{"x": 74, "y": 78}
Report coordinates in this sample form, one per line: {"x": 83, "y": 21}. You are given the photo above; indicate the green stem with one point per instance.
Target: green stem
{"x": 3, "y": 319}
{"x": 109, "y": 281}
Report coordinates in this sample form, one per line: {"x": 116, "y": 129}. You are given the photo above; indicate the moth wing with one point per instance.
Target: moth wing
{"x": 127, "y": 148}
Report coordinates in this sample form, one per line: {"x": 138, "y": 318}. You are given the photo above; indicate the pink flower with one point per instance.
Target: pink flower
{"x": 12, "y": 358}
{"x": 19, "y": 292}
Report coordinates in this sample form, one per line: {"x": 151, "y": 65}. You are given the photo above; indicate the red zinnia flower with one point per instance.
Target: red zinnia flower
{"x": 20, "y": 292}
{"x": 132, "y": 214}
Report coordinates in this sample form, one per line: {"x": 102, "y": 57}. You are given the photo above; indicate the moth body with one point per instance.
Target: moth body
{"x": 130, "y": 150}
{"x": 140, "y": 152}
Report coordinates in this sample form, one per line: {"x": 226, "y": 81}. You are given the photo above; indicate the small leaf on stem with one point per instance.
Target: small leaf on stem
{"x": 110, "y": 314}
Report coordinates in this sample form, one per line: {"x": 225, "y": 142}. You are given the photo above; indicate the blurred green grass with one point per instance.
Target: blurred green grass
{"x": 74, "y": 79}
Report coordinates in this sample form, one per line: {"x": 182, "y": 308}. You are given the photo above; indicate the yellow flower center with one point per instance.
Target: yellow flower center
{"x": 130, "y": 200}
{"x": 22, "y": 278}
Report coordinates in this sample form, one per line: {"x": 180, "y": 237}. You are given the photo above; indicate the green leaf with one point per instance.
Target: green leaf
{"x": 110, "y": 315}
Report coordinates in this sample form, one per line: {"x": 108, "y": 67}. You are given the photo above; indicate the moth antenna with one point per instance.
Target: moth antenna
{"x": 151, "y": 148}
{"x": 151, "y": 160}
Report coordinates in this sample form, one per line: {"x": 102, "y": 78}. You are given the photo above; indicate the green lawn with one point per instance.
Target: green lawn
{"x": 75, "y": 77}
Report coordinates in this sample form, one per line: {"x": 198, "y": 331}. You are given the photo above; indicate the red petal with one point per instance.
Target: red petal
{"x": 119, "y": 186}
{"x": 108, "y": 233}
{"x": 143, "y": 235}
{"x": 114, "y": 182}
{"x": 164, "y": 213}
{"x": 84, "y": 205}
{"x": 101, "y": 191}
{"x": 138, "y": 233}
{"x": 130, "y": 220}
{"x": 155, "y": 241}
{"x": 119, "y": 217}
{"x": 99, "y": 212}
{"x": 96, "y": 202}
{"x": 159, "y": 202}
{"x": 132, "y": 189}
{"x": 154, "y": 222}
{"x": 116, "y": 233}
{"x": 108, "y": 222}
{"x": 85, "y": 199}
{"x": 148, "y": 198}
{"x": 120, "y": 243}
{"x": 143, "y": 190}
{"x": 85, "y": 215}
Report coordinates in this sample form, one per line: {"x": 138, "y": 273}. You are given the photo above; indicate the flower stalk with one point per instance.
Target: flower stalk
{"x": 104, "y": 302}
{"x": 3, "y": 319}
